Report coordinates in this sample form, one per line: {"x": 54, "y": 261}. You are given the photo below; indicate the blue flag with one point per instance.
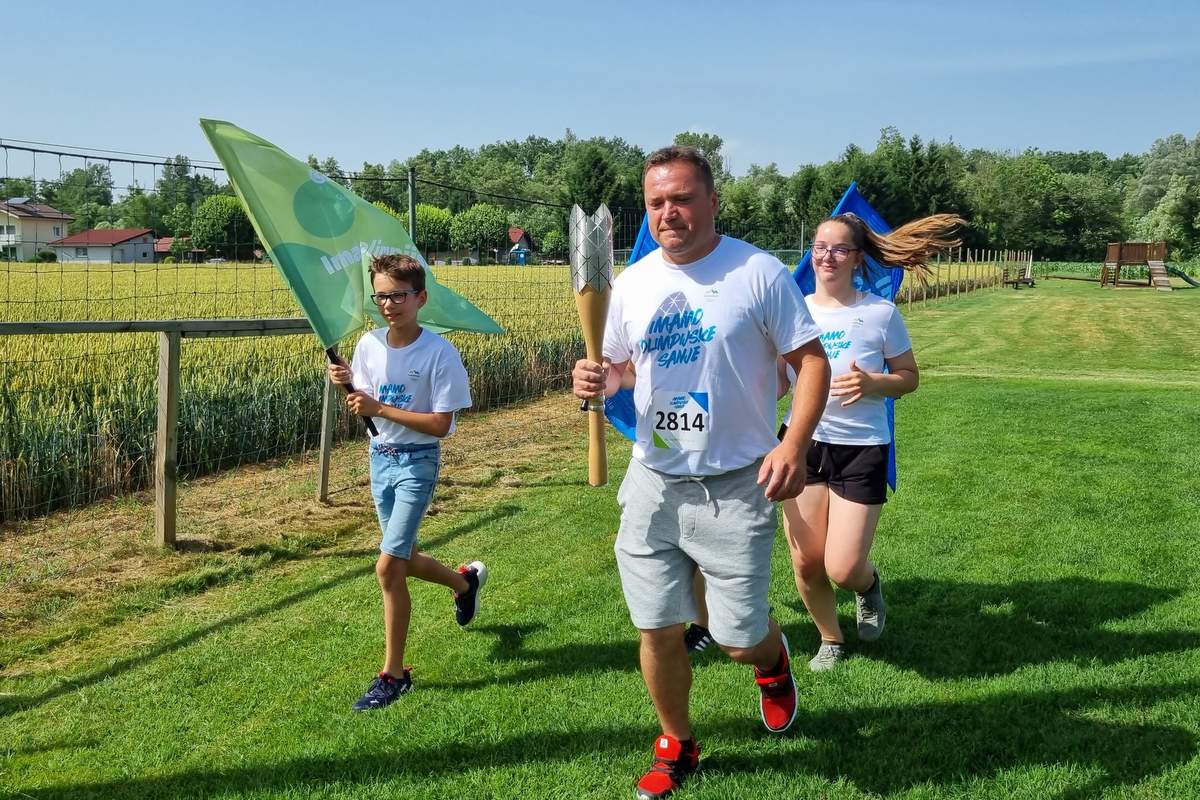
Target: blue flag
{"x": 880, "y": 280}
{"x": 619, "y": 408}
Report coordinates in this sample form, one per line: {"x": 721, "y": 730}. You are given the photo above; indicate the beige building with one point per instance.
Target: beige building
{"x": 26, "y": 228}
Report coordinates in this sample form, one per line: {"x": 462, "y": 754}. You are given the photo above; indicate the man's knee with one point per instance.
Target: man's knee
{"x": 751, "y": 654}
{"x": 742, "y": 655}
{"x": 658, "y": 640}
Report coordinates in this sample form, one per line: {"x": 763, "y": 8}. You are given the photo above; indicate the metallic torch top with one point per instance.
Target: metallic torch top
{"x": 591, "y": 249}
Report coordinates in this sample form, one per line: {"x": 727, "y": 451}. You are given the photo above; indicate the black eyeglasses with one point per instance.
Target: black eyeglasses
{"x": 396, "y": 297}
{"x": 838, "y": 253}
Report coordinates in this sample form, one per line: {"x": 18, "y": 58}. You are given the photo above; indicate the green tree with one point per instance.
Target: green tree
{"x": 590, "y": 178}
{"x": 553, "y": 243}
{"x": 92, "y": 215}
{"x": 482, "y": 227}
{"x": 1086, "y": 215}
{"x": 221, "y": 227}
{"x": 138, "y": 210}
{"x": 539, "y": 221}
{"x": 1168, "y": 158}
{"x": 85, "y": 193}
{"x": 1175, "y": 219}
{"x": 709, "y": 145}
{"x": 178, "y": 220}
{"x": 433, "y": 227}
{"x": 18, "y": 187}
{"x": 180, "y": 182}
{"x": 370, "y": 184}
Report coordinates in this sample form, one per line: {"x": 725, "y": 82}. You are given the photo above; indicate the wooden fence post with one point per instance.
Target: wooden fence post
{"x": 957, "y": 283}
{"x": 167, "y": 439}
{"x": 328, "y": 420}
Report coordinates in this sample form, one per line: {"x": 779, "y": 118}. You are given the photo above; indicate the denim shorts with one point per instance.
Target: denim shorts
{"x": 402, "y": 482}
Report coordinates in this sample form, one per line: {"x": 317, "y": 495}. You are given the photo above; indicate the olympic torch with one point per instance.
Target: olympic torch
{"x": 591, "y": 277}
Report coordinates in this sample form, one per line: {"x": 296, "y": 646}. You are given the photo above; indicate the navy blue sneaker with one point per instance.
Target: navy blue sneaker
{"x": 385, "y": 691}
{"x": 466, "y": 604}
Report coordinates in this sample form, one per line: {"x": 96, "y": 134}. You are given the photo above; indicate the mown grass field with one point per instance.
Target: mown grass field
{"x": 1039, "y": 562}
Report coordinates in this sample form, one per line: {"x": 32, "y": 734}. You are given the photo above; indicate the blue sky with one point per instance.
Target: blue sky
{"x": 790, "y": 83}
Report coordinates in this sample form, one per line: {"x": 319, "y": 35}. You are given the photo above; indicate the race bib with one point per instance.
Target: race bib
{"x": 680, "y": 420}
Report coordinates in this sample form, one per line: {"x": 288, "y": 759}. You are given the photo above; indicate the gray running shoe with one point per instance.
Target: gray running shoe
{"x": 828, "y": 657}
{"x": 872, "y": 611}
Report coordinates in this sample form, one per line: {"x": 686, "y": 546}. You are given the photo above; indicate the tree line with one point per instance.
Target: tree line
{"x": 1062, "y": 205}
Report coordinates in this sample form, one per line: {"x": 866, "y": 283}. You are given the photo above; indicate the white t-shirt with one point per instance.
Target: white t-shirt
{"x": 703, "y": 338}
{"x": 425, "y": 376}
{"x": 866, "y": 333}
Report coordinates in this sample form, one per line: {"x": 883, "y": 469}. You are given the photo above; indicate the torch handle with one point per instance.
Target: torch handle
{"x": 593, "y": 310}
{"x": 334, "y": 358}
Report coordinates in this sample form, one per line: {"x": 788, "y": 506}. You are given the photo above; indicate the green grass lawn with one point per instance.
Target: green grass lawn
{"x": 1039, "y": 563}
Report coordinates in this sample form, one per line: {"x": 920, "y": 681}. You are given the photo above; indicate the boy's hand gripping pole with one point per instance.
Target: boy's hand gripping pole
{"x": 334, "y": 358}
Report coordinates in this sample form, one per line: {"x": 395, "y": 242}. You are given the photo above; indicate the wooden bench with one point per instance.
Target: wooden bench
{"x": 1016, "y": 279}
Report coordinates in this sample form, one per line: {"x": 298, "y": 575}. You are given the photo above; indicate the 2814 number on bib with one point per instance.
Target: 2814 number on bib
{"x": 680, "y": 420}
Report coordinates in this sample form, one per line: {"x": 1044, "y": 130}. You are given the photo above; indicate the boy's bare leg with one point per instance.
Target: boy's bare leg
{"x": 397, "y": 610}
{"x": 668, "y": 675}
{"x": 431, "y": 570}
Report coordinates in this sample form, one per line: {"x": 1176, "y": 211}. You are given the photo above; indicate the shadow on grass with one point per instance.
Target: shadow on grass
{"x": 884, "y": 749}
{"x": 944, "y": 629}
{"x": 576, "y": 658}
{"x": 11, "y": 705}
{"x": 878, "y": 748}
{"x": 502, "y": 511}
{"x": 496, "y": 514}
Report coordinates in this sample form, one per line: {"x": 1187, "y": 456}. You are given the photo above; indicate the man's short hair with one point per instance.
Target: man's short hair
{"x": 400, "y": 267}
{"x": 675, "y": 152}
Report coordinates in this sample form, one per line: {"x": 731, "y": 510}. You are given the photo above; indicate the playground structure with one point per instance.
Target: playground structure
{"x": 1151, "y": 255}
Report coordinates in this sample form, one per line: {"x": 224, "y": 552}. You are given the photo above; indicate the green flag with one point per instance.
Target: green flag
{"x": 322, "y": 236}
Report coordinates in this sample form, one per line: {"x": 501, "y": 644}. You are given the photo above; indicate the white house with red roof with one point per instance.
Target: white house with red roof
{"x": 107, "y": 246}
{"x": 26, "y": 228}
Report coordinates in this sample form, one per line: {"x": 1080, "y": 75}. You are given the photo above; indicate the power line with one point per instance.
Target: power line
{"x": 204, "y": 165}
{"x": 165, "y": 159}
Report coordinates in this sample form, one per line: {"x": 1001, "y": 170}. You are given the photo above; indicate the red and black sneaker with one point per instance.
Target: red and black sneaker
{"x": 674, "y": 762}
{"x": 777, "y": 690}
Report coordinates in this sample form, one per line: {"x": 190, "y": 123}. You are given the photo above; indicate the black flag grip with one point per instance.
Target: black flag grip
{"x": 334, "y": 358}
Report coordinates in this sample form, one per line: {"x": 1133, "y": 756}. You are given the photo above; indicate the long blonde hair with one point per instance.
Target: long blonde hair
{"x": 911, "y": 245}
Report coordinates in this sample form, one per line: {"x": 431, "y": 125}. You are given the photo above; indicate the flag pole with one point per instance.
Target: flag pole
{"x": 334, "y": 358}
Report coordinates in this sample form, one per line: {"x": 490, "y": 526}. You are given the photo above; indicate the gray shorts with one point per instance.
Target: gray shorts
{"x": 672, "y": 525}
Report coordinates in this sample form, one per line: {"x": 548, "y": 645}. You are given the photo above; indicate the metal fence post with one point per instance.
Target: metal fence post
{"x": 412, "y": 205}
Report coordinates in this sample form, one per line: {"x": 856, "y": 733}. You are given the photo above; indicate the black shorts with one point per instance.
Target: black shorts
{"x": 854, "y": 472}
